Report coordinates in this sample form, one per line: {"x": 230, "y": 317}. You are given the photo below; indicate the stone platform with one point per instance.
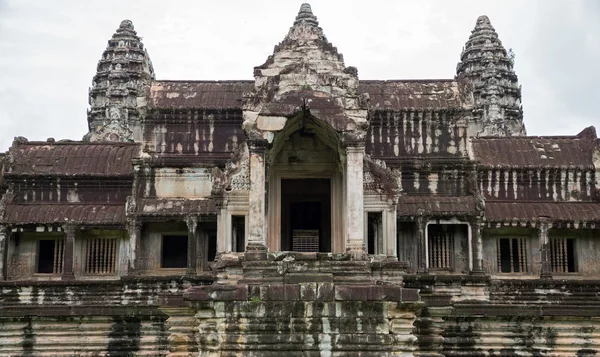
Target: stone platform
{"x": 298, "y": 304}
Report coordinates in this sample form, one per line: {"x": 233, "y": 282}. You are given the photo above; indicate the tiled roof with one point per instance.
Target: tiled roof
{"x": 446, "y": 205}
{"x": 45, "y": 213}
{"x": 418, "y": 94}
{"x": 561, "y": 211}
{"x": 394, "y": 95}
{"x": 176, "y": 207}
{"x": 529, "y": 151}
{"x": 76, "y": 158}
{"x": 198, "y": 94}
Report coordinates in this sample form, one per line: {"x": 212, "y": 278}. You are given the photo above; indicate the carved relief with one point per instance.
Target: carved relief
{"x": 379, "y": 178}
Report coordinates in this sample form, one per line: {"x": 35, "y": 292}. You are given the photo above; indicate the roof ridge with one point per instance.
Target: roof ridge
{"x": 204, "y": 80}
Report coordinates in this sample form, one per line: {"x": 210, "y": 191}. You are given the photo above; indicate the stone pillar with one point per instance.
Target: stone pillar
{"x": 67, "y": 273}
{"x": 134, "y": 229}
{"x": 422, "y": 263}
{"x": 477, "y": 246}
{"x": 4, "y": 234}
{"x": 192, "y": 225}
{"x": 546, "y": 268}
{"x": 355, "y": 240}
{"x": 256, "y": 248}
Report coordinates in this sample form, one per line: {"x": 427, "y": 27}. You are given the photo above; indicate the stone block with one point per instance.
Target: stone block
{"x": 217, "y": 293}
{"x": 295, "y": 278}
{"x": 368, "y": 292}
{"x": 410, "y": 295}
{"x": 270, "y": 123}
{"x": 280, "y": 292}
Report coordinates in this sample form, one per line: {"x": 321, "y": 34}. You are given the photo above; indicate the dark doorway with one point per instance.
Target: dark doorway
{"x": 174, "y": 251}
{"x": 306, "y": 215}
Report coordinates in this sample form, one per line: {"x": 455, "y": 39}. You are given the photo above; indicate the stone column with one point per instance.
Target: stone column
{"x": 477, "y": 246}
{"x": 422, "y": 264}
{"x": 4, "y": 234}
{"x": 192, "y": 225}
{"x": 256, "y": 249}
{"x": 67, "y": 273}
{"x": 546, "y": 268}
{"x": 355, "y": 240}
{"x": 134, "y": 229}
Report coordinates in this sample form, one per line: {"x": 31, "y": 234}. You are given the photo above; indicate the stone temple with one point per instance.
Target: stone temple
{"x": 305, "y": 213}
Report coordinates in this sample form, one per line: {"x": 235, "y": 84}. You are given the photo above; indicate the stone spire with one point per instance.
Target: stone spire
{"x": 301, "y": 60}
{"x": 118, "y": 95}
{"x": 486, "y": 73}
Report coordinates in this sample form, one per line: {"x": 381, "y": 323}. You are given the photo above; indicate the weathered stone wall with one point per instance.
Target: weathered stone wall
{"x": 476, "y": 316}
{"x": 119, "y": 318}
{"x": 545, "y": 184}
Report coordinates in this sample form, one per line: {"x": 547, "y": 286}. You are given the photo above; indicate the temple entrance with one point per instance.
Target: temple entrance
{"x": 306, "y": 215}
{"x": 305, "y": 188}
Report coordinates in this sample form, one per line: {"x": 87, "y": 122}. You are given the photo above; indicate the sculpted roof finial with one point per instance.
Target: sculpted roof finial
{"x": 483, "y": 19}
{"x": 126, "y": 24}
{"x": 306, "y": 14}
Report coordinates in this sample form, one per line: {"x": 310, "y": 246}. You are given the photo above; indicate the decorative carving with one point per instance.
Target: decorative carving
{"x": 380, "y": 178}
{"x": 236, "y": 175}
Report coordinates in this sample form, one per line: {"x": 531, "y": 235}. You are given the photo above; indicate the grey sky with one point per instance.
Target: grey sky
{"x": 49, "y": 50}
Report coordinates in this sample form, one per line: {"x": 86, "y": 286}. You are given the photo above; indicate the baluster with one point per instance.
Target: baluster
{"x": 102, "y": 256}
{"x": 499, "y": 253}
{"x": 114, "y": 256}
{"x": 96, "y": 256}
{"x": 448, "y": 242}
{"x": 88, "y": 255}
{"x": 54, "y": 266}
{"x": 522, "y": 255}
{"x": 553, "y": 257}
{"x": 564, "y": 256}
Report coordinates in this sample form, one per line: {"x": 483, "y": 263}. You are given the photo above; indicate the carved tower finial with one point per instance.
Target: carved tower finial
{"x": 306, "y": 14}
{"x": 486, "y": 69}
{"x": 117, "y": 97}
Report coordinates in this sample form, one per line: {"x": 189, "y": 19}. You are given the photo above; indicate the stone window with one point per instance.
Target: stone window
{"x": 512, "y": 255}
{"x": 562, "y": 255}
{"x": 238, "y": 232}
{"x": 440, "y": 242}
{"x": 174, "y": 251}
{"x": 50, "y": 256}
{"x": 374, "y": 233}
{"x": 100, "y": 255}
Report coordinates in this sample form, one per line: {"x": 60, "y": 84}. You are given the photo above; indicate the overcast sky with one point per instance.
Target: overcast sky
{"x": 49, "y": 50}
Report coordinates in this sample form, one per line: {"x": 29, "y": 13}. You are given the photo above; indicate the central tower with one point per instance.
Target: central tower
{"x": 305, "y": 100}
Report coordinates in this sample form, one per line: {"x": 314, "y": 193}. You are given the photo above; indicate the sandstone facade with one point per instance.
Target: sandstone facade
{"x": 302, "y": 213}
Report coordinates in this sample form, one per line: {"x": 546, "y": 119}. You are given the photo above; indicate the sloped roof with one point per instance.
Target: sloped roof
{"x": 409, "y": 205}
{"x": 48, "y": 213}
{"x": 557, "y": 211}
{"x": 176, "y": 207}
{"x": 72, "y": 158}
{"x": 388, "y": 95}
{"x": 405, "y": 94}
{"x": 198, "y": 94}
{"x": 530, "y": 151}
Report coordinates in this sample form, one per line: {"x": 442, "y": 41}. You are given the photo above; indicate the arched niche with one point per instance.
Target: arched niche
{"x": 305, "y": 184}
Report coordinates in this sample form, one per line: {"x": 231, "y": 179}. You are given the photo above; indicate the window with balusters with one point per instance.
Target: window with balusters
{"x": 441, "y": 246}
{"x": 562, "y": 255}
{"x": 512, "y": 255}
{"x": 100, "y": 256}
{"x": 50, "y": 256}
